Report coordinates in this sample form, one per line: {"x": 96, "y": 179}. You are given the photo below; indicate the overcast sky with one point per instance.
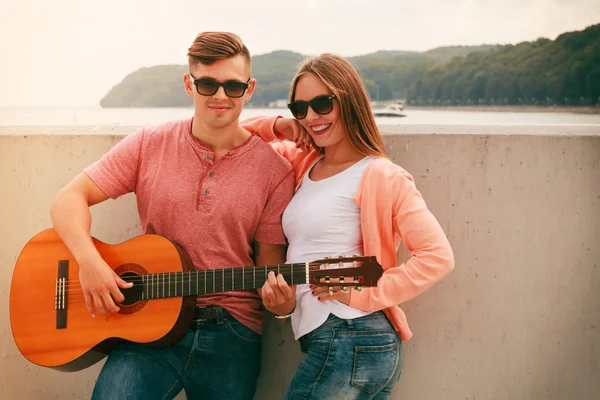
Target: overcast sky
{"x": 71, "y": 52}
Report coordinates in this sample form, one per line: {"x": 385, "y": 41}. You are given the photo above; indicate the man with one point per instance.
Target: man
{"x": 200, "y": 183}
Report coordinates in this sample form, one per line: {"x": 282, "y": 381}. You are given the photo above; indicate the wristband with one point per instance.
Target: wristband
{"x": 285, "y": 316}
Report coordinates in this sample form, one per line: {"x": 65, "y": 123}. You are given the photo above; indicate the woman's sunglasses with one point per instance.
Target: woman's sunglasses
{"x": 321, "y": 105}
{"x": 208, "y": 87}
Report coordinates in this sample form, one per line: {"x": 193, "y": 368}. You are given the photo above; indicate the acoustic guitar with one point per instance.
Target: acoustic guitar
{"x": 53, "y": 328}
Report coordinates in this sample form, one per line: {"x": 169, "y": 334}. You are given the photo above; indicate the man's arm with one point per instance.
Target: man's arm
{"x": 72, "y": 220}
{"x": 278, "y": 297}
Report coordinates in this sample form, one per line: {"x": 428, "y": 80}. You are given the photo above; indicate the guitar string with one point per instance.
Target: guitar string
{"x": 216, "y": 272}
{"x": 75, "y": 291}
{"x": 80, "y": 299}
{"x": 300, "y": 268}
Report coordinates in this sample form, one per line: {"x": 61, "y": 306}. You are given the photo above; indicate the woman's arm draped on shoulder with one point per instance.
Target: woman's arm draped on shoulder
{"x": 431, "y": 257}
{"x": 264, "y": 128}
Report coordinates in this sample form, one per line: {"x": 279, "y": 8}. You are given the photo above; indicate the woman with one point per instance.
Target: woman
{"x": 350, "y": 199}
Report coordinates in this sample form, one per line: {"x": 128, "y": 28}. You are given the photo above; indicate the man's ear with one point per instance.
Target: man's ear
{"x": 250, "y": 89}
{"x": 188, "y": 85}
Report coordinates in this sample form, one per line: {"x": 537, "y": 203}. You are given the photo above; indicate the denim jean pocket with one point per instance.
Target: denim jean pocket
{"x": 374, "y": 366}
{"x": 242, "y": 332}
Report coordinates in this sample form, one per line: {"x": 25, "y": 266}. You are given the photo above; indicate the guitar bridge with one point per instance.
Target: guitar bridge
{"x": 60, "y": 296}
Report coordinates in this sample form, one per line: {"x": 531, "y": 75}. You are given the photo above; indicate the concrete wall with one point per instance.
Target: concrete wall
{"x": 519, "y": 318}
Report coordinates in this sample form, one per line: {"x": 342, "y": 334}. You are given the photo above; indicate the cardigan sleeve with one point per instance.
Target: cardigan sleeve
{"x": 431, "y": 257}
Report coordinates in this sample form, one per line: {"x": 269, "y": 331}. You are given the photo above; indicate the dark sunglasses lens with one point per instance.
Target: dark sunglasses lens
{"x": 322, "y": 104}
{"x": 234, "y": 89}
{"x": 299, "y": 109}
{"x": 207, "y": 87}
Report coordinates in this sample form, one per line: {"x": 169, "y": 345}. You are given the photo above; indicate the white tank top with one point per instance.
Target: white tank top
{"x": 322, "y": 220}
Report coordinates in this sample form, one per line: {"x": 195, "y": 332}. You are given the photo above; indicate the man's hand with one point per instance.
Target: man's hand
{"x": 291, "y": 129}
{"x": 100, "y": 287}
{"x": 278, "y": 297}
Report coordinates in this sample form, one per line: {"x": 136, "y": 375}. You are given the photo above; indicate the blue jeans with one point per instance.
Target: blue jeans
{"x": 348, "y": 359}
{"x": 214, "y": 360}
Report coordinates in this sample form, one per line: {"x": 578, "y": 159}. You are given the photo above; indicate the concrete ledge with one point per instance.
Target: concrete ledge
{"x": 517, "y": 319}
{"x": 519, "y": 130}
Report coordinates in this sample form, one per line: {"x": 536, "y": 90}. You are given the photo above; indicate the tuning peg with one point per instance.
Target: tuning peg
{"x": 344, "y": 288}
{"x": 359, "y": 288}
{"x": 341, "y": 279}
{"x": 330, "y": 290}
{"x": 327, "y": 279}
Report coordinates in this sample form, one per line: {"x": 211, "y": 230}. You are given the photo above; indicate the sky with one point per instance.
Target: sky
{"x": 72, "y": 52}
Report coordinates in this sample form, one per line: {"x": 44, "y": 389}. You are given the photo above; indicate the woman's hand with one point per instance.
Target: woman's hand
{"x": 291, "y": 129}
{"x": 324, "y": 295}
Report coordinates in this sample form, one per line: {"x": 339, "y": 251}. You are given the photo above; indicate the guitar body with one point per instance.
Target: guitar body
{"x": 71, "y": 339}
{"x": 52, "y": 327}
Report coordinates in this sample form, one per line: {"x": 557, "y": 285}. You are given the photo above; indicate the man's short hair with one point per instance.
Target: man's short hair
{"x": 209, "y": 47}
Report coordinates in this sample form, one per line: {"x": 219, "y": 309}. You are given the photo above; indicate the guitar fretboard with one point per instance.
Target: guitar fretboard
{"x": 190, "y": 283}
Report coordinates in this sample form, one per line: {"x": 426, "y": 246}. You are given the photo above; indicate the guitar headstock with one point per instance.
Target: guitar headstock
{"x": 355, "y": 271}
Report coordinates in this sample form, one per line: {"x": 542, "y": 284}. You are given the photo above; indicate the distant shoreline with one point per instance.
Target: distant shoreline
{"x": 549, "y": 109}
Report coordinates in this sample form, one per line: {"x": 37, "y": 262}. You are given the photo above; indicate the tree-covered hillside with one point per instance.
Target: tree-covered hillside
{"x": 387, "y": 75}
{"x": 546, "y": 72}
{"x": 565, "y": 71}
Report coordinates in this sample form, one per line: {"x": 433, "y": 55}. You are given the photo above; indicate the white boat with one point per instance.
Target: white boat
{"x": 391, "y": 110}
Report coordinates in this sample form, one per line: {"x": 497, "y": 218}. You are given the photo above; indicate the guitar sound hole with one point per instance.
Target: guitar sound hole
{"x": 134, "y": 293}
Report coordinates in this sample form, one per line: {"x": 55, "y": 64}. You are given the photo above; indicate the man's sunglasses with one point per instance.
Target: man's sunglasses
{"x": 321, "y": 105}
{"x": 208, "y": 87}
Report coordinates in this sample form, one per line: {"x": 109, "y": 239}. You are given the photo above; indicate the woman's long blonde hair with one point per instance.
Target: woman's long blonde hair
{"x": 344, "y": 82}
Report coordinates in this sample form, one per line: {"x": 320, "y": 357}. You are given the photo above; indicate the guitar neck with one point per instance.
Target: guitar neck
{"x": 191, "y": 283}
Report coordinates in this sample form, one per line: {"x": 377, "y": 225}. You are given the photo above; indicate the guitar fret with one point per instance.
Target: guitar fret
{"x": 205, "y": 279}
{"x": 223, "y": 279}
{"x": 232, "y": 271}
{"x": 196, "y": 282}
{"x": 292, "y": 281}
{"x": 243, "y": 277}
{"x": 189, "y": 282}
{"x": 254, "y": 275}
{"x": 169, "y": 284}
{"x": 214, "y": 279}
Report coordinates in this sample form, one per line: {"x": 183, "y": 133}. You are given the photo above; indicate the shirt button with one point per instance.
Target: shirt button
{"x": 208, "y": 157}
{"x": 206, "y": 192}
{"x": 210, "y": 174}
